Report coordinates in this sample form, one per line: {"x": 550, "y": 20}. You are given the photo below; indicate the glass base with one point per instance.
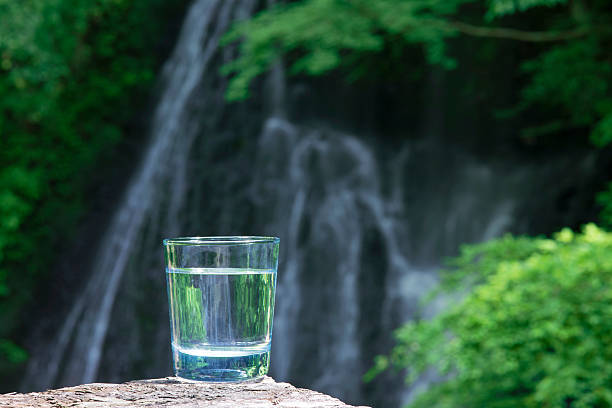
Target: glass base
{"x": 221, "y": 369}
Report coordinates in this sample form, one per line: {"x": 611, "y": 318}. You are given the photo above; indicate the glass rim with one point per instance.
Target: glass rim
{"x": 221, "y": 240}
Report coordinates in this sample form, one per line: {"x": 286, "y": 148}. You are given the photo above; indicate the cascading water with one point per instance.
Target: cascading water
{"x": 323, "y": 192}
{"x": 163, "y": 171}
{"x": 363, "y": 227}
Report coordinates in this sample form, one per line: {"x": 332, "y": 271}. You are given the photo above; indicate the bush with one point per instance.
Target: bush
{"x": 535, "y": 329}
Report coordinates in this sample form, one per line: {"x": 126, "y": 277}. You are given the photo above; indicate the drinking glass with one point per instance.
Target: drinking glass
{"x": 221, "y": 295}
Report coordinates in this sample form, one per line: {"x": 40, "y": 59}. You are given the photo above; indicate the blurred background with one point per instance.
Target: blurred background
{"x": 397, "y": 147}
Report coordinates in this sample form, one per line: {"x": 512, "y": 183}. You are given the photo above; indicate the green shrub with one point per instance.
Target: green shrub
{"x": 534, "y": 330}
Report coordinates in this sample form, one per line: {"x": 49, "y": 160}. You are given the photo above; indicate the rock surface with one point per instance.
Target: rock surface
{"x": 173, "y": 392}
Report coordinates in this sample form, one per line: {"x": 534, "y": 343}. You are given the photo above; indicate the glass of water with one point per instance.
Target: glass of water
{"x": 221, "y": 294}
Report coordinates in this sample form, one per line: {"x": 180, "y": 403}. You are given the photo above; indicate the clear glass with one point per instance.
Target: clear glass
{"x": 221, "y": 295}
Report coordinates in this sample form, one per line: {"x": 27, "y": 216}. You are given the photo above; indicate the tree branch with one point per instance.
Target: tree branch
{"x": 512, "y": 34}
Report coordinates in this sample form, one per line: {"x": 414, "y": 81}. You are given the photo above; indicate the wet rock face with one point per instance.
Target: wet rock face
{"x": 172, "y": 392}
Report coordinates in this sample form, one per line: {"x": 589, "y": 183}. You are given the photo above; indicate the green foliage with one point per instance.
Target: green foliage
{"x": 321, "y": 35}
{"x": 465, "y": 273}
{"x": 12, "y": 353}
{"x": 499, "y": 8}
{"x": 576, "y": 79}
{"x": 70, "y": 73}
{"x": 602, "y": 133}
{"x": 572, "y": 74}
{"x": 604, "y": 199}
{"x": 328, "y": 34}
{"x": 566, "y": 69}
{"x": 534, "y": 331}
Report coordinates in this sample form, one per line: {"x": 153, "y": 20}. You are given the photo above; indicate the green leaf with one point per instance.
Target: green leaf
{"x": 498, "y": 8}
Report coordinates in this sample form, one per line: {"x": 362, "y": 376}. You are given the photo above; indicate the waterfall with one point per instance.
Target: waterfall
{"x": 329, "y": 183}
{"x": 363, "y": 226}
{"x": 162, "y": 171}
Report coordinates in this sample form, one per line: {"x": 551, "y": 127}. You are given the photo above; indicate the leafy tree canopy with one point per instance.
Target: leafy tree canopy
{"x": 572, "y": 73}
{"x": 566, "y": 69}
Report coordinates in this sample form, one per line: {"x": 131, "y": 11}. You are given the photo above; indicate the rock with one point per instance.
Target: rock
{"x": 174, "y": 392}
